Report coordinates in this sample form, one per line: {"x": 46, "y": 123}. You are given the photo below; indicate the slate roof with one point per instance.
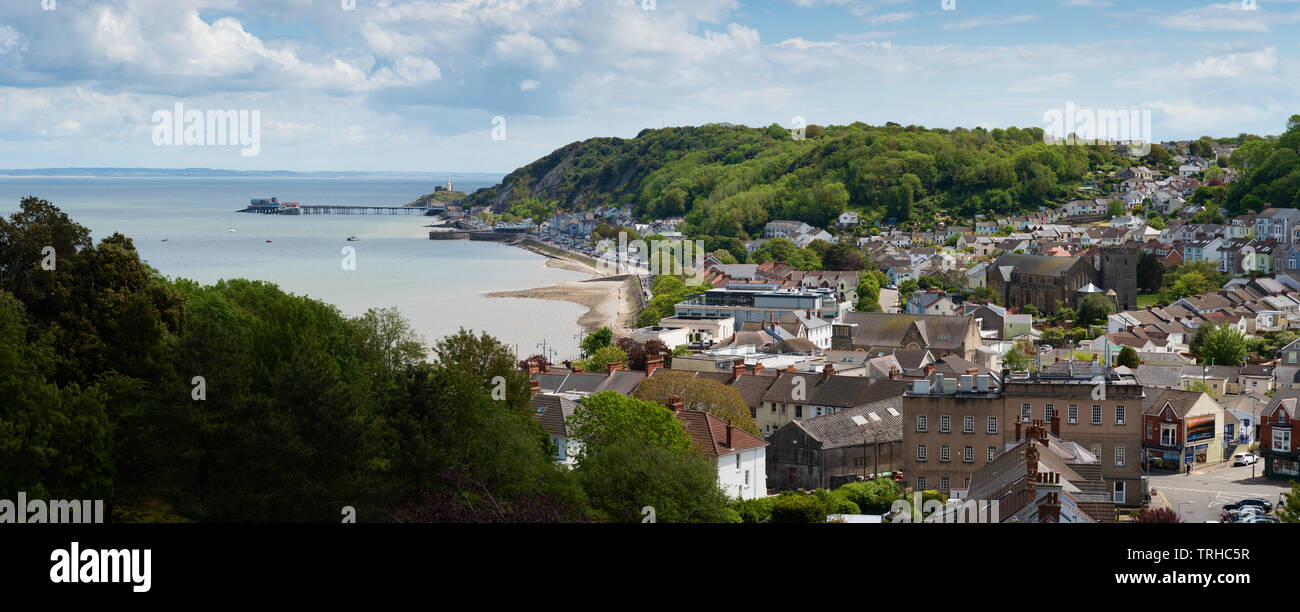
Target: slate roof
{"x": 836, "y": 391}
{"x": 837, "y": 430}
{"x": 551, "y": 411}
{"x": 1179, "y": 401}
{"x": 1160, "y": 376}
{"x": 878, "y": 329}
{"x": 1041, "y": 265}
{"x": 622, "y": 381}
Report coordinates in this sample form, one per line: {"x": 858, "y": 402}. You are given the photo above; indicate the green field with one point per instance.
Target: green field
{"x": 1150, "y": 299}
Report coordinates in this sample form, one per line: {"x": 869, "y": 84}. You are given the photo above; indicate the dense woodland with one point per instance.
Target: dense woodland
{"x": 728, "y": 181}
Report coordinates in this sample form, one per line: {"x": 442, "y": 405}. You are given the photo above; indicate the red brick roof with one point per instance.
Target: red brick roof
{"x": 710, "y": 433}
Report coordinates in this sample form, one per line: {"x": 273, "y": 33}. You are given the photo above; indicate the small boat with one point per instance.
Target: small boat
{"x": 353, "y": 239}
{"x": 268, "y": 242}
{"x": 164, "y": 240}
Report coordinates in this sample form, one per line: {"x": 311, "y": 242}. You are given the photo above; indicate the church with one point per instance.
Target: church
{"x": 1046, "y": 281}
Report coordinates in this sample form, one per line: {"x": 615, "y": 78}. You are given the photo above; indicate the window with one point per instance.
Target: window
{"x": 747, "y": 478}
{"x": 966, "y": 483}
{"x": 993, "y": 425}
{"x": 920, "y": 452}
{"x": 1119, "y": 497}
{"x": 968, "y": 424}
{"x": 945, "y": 424}
{"x": 968, "y": 454}
{"x": 559, "y": 448}
{"x": 1148, "y": 431}
{"x": 1168, "y": 435}
{"x": 1119, "y": 454}
{"x": 798, "y": 412}
{"x": 921, "y": 424}
{"x": 773, "y": 407}
{"x": 943, "y": 483}
{"x": 920, "y": 483}
{"x": 943, "y": 453}
{"x": 1072, "y": 414}
{"x": 1119, "y": 415}
{"x": 1282, "y": 440}
{"x": 1048, "y": 409}
{"x": 992, "y": 450}
{"x": 1095, "y": 448}
{"x": 1026, "y": 413}
{"x": 1096, "y": 414}
{"x": 737, "y": 460}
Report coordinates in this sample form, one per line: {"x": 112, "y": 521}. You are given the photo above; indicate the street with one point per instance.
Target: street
{"x": 1209, "y": 491}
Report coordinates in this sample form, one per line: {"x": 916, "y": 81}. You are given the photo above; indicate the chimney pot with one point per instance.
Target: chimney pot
{"x": 534, "y": 386}
{"x": 828, "y": 370}
{"x": 675, "y": 403}
{"x": 728, "y": 433}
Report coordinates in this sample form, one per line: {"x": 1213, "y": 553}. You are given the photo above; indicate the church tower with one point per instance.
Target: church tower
{"x": 1119, "y": 273}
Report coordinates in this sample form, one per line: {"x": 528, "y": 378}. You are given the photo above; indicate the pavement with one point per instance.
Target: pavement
{"x": 1207, "y": 489}
{"x": 888, "y": 300}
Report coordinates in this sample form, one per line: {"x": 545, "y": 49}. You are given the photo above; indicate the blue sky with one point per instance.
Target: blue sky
{"x": 415, "y": 85}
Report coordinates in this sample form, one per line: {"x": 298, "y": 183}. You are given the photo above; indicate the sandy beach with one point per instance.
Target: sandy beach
{"x": 610, "y": 300}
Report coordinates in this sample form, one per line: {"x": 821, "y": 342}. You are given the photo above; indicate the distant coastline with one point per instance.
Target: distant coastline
{"x": 96, "y": 172}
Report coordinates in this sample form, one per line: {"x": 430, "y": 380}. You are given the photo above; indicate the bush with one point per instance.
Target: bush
{"x": 793, "y": 507}
{"x": 836, "y": 502}
{"x": 873, "y": 496}
{"x": 753, "y": 510}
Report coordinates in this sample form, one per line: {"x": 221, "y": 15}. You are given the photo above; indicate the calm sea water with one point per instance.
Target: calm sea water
{"x": 436, "y": 284}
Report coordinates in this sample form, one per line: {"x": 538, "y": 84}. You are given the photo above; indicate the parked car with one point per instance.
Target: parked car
{"x": 1257, "y": 518}
{"x": 1258, "y": 502}
{"x": 1244, "y": 459}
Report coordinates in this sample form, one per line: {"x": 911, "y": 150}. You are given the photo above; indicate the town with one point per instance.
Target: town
{"x": 1094, "y": 351}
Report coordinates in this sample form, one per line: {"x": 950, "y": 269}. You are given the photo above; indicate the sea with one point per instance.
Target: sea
{"x": 180, "y": 226}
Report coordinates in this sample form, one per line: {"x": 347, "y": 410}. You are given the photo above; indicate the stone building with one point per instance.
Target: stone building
{"x": 832, "y": 449}
{"x": 1045, "y": 282}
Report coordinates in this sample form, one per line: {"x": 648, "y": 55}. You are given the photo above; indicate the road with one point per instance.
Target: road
{"x": 1209, "y": 491}
{"x": 888, "y": 300}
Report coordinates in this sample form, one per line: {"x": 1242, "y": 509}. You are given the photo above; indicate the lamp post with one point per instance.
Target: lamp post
{"x": 1253, "y": 428}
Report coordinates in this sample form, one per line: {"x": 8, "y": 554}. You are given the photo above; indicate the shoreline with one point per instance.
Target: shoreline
{"x": 608, "y": 299}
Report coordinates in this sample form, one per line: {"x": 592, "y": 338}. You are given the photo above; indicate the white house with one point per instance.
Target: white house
{"x": 552, "y": 411}
{"x": 741, "y": 456}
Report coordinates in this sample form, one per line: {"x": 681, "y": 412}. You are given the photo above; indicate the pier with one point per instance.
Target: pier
{"x": 342, "y": 209}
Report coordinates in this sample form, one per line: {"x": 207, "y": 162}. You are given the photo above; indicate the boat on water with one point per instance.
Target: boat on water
{"x": 268, "y": 242}
{"x": 353, "y": 239}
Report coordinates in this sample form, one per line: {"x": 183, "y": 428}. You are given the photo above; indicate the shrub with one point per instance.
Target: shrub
{"x": 798, "y": 508}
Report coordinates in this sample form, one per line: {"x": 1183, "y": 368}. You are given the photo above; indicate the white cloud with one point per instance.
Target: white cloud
{"x": 529, "y": 85}
{"x": 983, "y": 22}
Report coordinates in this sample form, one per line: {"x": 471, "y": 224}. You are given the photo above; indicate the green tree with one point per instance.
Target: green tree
{"x": 1094, "y": 308}
{"x": 1289, "y": 510}
{"x": 600, "y": 360}
{"x": 1220, "y": 344}
{"x": 1128, "y": 357}
{"x": 795, "y": 507}
{"x": 1150, "y": 273}
{"x": 1016, "y": 360}
{"x": 700, "y": 394}
{"x": 600, "y": 338}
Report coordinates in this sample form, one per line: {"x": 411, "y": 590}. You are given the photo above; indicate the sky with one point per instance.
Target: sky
{"x": 491, "y": 85}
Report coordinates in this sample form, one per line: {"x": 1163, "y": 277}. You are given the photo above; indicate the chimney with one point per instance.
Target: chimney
{"x": 531, "y": 366}
{"x": 758, "y": 367}
{"x": 929, "y": 369}
{"x": 534, "y": 386}
{"x": 614, "y": 366}
{"x": 894, "y": 374}
{"x": 738, "y": 368}
{"x": 652, "y": 364}
{"x": 675, "y": 403}
{"x": 827, "y": 370}
{"x": 1017, "y": 430}
{"x": 1056, "y": 425}
{"x": 789, "y": 368}
{"x": 577, "y": 368}
{"x": 728, "y": 433}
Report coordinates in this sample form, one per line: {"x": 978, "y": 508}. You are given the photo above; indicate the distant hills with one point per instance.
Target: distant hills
{"x": 218, "y": 173}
